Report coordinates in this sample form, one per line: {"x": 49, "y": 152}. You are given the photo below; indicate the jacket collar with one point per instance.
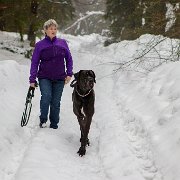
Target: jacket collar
{"x": 49, "y": 39}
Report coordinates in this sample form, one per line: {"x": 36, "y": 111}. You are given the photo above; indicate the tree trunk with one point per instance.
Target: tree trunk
{"x": 32, "y": 29}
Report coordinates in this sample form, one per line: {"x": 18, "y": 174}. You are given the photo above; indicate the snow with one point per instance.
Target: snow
{"x": 170, "y": 15}
{"x": 135, "y": 132}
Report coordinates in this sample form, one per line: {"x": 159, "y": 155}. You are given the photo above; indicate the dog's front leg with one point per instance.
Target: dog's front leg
{"x": 86, "y": 129}
{"x": 82, "y": 149}
{"x": 87, "y": 140}
{"x": 80, "y": 117}
{"x": 84, "y": 135}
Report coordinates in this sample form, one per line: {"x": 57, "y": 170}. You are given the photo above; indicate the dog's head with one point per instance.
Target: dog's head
{"x": 85, "y": 79}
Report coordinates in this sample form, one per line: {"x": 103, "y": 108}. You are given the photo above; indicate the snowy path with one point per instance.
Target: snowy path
{"x": 36, "y": 151}
{"x": 54, "y": 151}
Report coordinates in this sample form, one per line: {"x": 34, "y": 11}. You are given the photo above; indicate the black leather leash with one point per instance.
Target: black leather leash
{"x": 28, "y": 106}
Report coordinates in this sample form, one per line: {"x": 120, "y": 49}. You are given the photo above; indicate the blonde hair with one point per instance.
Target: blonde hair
{"x": 49, "y": 23}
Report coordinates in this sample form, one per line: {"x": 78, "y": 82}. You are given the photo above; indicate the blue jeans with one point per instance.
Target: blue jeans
{"x": 51, "y": 92}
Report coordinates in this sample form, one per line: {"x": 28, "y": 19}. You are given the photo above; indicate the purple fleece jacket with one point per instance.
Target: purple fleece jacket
{"x": 51, "y": 60}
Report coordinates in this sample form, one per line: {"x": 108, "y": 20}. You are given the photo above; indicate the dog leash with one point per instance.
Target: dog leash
{"x": 73, "y": 83}
{"x": 28, "y": 106}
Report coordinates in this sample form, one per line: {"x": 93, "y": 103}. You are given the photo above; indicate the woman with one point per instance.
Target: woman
{"x": 52, "y": 65}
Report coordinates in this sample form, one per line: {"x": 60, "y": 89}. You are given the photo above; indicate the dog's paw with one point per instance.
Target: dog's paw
{"x": 82, "y": 151}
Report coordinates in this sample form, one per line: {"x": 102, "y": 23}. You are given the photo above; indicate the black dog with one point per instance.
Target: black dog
{"x": 83, "y": 98}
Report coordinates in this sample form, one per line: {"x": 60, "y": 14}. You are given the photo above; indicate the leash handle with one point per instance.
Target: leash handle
{"x": 30, "y": 93}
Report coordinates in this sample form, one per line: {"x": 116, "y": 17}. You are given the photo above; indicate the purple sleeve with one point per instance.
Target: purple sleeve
{"x": 34, "y": 65}
{"x": 69, "y": 61}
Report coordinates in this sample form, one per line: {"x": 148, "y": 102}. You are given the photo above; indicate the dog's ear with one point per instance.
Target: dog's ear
{"x": 76, "y": 75}
{"x": 93, "y": 75}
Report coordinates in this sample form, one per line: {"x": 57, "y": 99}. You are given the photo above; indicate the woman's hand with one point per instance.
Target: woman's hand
{"x": 32, "y": 85}
{"x": 67, "y": 79}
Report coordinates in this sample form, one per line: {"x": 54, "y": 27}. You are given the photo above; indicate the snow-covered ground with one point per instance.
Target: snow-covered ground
{"x": 135, "y": 133}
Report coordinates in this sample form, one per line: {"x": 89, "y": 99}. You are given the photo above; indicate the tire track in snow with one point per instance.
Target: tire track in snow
{"x": 140, "y": 145}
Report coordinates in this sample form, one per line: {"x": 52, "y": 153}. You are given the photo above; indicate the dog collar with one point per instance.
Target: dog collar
{"x": 84, "y": 94}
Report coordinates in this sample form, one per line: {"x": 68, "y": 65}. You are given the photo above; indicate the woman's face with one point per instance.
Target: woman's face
{"x": 51, "y": 31}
